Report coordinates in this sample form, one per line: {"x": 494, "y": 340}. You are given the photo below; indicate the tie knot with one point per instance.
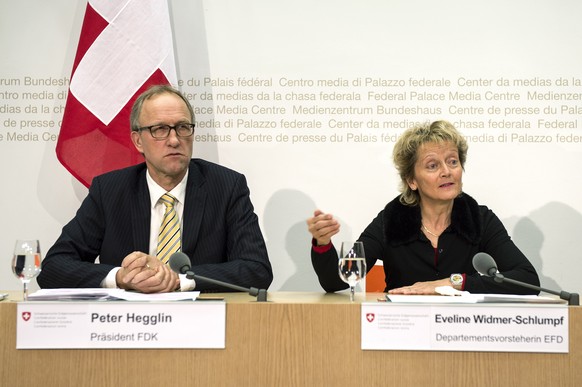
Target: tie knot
{"x": 168, "y": 200}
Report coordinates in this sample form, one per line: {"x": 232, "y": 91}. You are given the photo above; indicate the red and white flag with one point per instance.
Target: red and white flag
{"x": 125, "y": 46}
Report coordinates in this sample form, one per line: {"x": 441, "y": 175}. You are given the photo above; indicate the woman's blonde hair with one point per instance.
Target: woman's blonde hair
{"x": 405, "y": 152}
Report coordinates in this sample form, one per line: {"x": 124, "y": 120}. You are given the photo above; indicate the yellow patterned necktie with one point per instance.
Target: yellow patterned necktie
{"x": 169, "y": 235}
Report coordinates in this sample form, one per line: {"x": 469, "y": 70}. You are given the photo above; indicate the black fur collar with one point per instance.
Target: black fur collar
{"x": 402, "y": 223}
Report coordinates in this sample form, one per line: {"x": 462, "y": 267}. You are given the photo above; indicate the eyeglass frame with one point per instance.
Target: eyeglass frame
{"x": 192, "y": 127}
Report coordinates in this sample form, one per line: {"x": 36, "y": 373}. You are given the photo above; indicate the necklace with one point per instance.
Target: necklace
{"x": 428, "y": 231}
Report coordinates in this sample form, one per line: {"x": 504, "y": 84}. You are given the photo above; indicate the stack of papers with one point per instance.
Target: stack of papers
{"x": 99, "y": 294}
{"x": 468, "y": 298}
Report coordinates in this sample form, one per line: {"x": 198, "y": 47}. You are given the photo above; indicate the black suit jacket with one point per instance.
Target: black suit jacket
{"x": 395, "y": 237}
{"x": 220, "y": 234}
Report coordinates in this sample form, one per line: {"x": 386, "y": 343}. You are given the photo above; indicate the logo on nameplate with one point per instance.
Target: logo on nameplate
{"x": 26, "y": 316}
{"x": 370, "y": 317}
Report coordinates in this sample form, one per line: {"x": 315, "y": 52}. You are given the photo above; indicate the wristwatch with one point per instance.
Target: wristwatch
{"x": 457, "y": 280}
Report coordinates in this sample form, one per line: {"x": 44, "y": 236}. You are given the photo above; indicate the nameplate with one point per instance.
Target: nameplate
{"x": 181, "y": 324}
{"x": 486, "y": 327}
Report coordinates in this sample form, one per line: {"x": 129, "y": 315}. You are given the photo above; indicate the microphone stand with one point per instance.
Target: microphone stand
{"x": 572, "y": 298}
{"x": 261, "y": 294}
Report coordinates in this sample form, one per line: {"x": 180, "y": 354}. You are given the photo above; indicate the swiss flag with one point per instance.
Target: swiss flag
{"x": 125, "y": 46}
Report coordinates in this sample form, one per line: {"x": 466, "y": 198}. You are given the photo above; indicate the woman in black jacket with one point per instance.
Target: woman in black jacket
{"x": 428, "y": 235}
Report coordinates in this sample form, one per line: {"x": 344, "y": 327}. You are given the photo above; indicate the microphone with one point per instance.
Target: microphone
{"x": 180, "y": 263}
{"x": 485, "y": 265}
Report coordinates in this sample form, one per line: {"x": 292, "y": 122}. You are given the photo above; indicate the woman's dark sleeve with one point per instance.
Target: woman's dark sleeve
{"x": 511, "y": 262}
{"x": 326, "y": 264}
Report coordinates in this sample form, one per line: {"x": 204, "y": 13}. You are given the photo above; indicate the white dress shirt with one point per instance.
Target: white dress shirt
{"x": 157, "y": 215}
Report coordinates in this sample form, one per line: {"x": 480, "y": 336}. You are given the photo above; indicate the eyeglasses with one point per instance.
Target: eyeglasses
{"x": 163, "y": 131}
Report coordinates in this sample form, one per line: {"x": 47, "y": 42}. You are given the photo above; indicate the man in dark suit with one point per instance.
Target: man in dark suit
{"x": 120, "y": 219}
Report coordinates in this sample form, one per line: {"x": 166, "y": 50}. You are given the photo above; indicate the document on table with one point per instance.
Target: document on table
{"x": 104, "y": 294}
{"x": 468, "y": 298}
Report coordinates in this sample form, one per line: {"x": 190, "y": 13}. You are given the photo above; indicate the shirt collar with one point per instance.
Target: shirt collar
{"x": 156, "y": 192}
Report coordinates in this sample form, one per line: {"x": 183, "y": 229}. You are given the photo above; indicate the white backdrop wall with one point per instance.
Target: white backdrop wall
{"x": 508, "y": 73}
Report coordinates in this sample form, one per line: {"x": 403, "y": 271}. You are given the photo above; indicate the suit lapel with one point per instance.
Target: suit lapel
{"x": 141, "y": 213}
{"x": 194, "y": 205}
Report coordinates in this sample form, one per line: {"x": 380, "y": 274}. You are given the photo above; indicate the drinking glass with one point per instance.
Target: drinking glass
{"x": 352, "y": 264}
{"x": 26, "y": 262}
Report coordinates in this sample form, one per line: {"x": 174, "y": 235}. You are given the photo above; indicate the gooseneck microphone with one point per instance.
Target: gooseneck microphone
{"x": 180, "y": 263}
{"x": 485, "y": 265}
